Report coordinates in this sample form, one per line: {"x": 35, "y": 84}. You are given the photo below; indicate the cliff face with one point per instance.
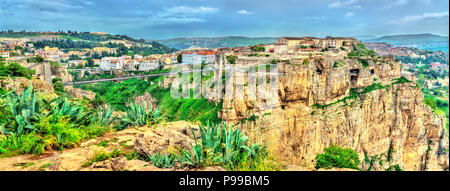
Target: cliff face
{"x": 350, "y": 103}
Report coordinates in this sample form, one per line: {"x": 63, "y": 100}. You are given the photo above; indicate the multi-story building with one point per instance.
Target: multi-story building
{"x": 50, "y": 49}
{"x": 148, "y": 65}
{"x": 336, "y": 42}
{"x": 74, "y": 63}
{"x": 4, "y": 54}
{"x": 112, "y": 63}
{"x": 199, "y": 57}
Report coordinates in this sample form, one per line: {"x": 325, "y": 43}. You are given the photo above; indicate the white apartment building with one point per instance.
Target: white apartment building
{"x": 199, "y": 57}
{"x": 148, "y": 65}
{"x": 111, "y": 63}
{"x": 4, "y": 54}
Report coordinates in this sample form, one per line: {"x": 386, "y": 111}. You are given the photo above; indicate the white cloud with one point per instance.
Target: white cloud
{"x": 349, "y": 14}
{"x": 181, "y": 14}
{"x": 395, "y": 3}
{"x": 346, "y": 3}
{"x": 244, "y": 12}
{"x": 191, "y": 10}
{"x": 425, "y": 16}
{"x": 315, "y": 18}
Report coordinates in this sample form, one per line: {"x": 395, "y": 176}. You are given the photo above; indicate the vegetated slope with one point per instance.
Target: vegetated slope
{"x": 216, "y": 42}
{"x": 81, "y": 40}
{"x": 118, "y": 94}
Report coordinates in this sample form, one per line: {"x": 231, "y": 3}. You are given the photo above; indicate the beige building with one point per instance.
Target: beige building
{"x": 337, "y": 42}
{"x": 101, "y": 49}
{"x": 293, "y": 42}
{"x": 48, "y": 49}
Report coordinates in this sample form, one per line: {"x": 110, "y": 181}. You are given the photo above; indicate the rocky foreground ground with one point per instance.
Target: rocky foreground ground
{"x": 141, "y": 139}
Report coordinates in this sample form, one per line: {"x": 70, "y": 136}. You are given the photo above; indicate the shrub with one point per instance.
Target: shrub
{"x": 15, "y": 70}
{"x": 337, "y": 157}
{"x": 231, "y": 59}
{"x": 58, "y": 85}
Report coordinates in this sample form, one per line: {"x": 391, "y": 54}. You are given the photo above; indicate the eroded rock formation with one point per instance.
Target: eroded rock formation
{"x": 360, "y": 104}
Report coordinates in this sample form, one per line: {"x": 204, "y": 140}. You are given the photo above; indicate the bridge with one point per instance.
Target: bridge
{"x": 130, "y": 77}
{"x": 160, "y": 74}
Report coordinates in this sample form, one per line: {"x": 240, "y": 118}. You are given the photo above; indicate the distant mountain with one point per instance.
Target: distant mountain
{"x": 80, "y": 40}
{"x": 421, "y": 41}
{"x": 365, "y": 37}
{"x": 216, "y": 42}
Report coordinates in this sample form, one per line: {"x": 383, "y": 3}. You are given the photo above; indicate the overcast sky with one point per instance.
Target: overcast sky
{"x": 161, "y": 19}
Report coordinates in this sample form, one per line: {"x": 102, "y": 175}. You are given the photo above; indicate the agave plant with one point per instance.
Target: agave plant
{"x": 139, "y": 115}
{"x": 104, "y": 116}
{"x": 64, "y": 108}
{"x": 220, "y": 144}
{"x": 163, "y": 161}
{"x": 24, "y": 109}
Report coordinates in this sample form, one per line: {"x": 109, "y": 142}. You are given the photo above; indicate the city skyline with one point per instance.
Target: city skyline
{"x": 200, "y": 18}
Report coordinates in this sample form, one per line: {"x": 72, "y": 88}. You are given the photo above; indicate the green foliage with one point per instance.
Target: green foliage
{"x": 305, "y": 61}
{"x": 360, "y": 50}
{"x": 180, "y": 58}
{"x": 58, "y": 85}
{"x": 198, "y": 110}
{"x": 139, "y": 115}
{"x": 337, "y": 157}
{"x": 231, "y": 59}
{"x": 36, "y": 59}
{"x": 400, "y": 80}
{"x": 431, "y": 103}
{"x": 395, "y": 167}
{"x": 163, "y": 161}
{"x": 364, "y": 63}
{"x": 355, "y": 93}
{"x": 258, "y": 48}
{"x": 15, "y": 70}
{"x": 104, "y": 116}
{"x": 220, "y": 145}
{"x": 336, "y": 65}
{"x": 103, "y": 155}
{"x": 33, "y": 124}
{"x": 24, "y": 110}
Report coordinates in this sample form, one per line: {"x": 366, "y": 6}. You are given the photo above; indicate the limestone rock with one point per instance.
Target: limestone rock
{"x": 158, "y": 140}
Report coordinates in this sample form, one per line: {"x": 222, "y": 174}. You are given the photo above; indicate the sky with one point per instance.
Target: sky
{"x": 162, "y": 19}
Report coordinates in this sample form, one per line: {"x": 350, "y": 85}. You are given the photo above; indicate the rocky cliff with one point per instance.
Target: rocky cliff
{"x": 363, "y": 104}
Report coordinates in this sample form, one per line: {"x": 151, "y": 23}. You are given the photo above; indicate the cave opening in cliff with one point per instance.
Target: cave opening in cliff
{"x": 372, "y": 71}
{"x": 354, "y": 71}
{"x": 319, "y": 71}
{"x": 354, "y": 79}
